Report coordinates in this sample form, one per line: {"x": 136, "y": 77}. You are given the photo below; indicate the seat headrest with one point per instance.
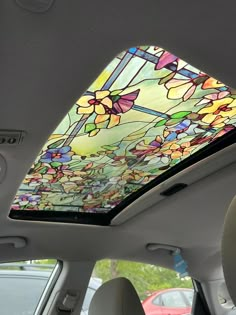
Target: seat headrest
{"x": 229, "y": 250}
{"x": 116, "y": 297}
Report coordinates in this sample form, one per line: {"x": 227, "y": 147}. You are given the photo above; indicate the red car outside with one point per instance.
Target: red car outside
{"x": 169, "y": 302}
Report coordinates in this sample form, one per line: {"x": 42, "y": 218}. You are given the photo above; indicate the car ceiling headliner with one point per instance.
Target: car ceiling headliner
{"x": 49, "y": 59}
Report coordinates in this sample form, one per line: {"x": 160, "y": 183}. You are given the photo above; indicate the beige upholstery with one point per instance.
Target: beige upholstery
{"x": 116, "y": 297}
{"x": 229, "y": 250}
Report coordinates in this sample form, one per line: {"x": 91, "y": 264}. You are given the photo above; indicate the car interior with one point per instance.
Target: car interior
{"x": 96, "y": 167}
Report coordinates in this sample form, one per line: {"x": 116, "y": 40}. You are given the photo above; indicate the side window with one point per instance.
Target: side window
{"x": 94, "y": 284}
{"x": 173, "y": 299}
{"x": 22, "y": 285}
{"x": 153, "y": 284}
{"x": 88, "y": 297}
{"x": 189, "y": 296}
{"x": 157, "y": 301}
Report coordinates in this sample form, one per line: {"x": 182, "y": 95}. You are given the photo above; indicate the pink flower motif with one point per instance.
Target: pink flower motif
{"x": 123, "y": 103}
{"x": 165, "y": 59}
{"x": 208, "y": 99}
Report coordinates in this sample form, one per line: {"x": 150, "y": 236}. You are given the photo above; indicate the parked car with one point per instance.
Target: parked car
{"x": 176, "y": 301}
{"x": 27, "y": 283}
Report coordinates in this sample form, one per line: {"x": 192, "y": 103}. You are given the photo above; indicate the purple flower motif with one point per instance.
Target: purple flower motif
{"x": 155, "y": 143}
{"x": 123, "y": 103}
{"x": 34, "y": 199}
{"x": 27, "y": 200}
{"x": 61, "y": 155}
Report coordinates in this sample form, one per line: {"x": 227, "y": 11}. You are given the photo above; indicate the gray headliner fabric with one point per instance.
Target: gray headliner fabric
{"x": 229, "y": 250}
{"x": 117, "y": 297}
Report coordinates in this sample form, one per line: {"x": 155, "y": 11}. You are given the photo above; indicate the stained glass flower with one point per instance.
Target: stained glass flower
{"x": 165, "y": 59}
{"x": 181, "y": 150}
{"x": 219, "y": 111}
{"x": 153, "y": 152}
{"x": 212, "y": 83}
{"x": 121, "y": 105}
{"x": 161, "y": 151}
{"x": 142, "y": 149}
{"x": 113, "y": 120}
{"x": 35, "y": 180}
{"x": 72, "y": 185}
{"x": 61, "y": 155}
{"x": 26, "y": 201}
{"x": 136, "y": 176}
{"x": 98, "y": 102}
{"x": 64, "y": 170}
{"x": 180, "y": 89}
{"x": 107, "y": 106}
{"x": 184, "y": 88}
{"x": 208, "y": 99}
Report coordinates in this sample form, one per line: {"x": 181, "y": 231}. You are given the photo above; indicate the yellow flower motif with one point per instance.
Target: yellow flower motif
{"x": 36, "y": 179}
{"x": 114, "y": 120}
{"x": 180, "y": 89}
{"x": 97, "y": 103}
{"x": 135, "y": 175}
{"x": 219, "y": 111}
{"x": 176, "y": 150}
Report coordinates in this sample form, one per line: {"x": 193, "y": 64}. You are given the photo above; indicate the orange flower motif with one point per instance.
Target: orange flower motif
{"x": 163, "y": 153}
{"x": 135, "y": 176}
{"x": 212, "y": 83}
{"x": 181, "y": 150}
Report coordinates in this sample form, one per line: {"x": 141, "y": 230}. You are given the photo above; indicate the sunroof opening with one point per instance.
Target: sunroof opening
{"x": 145, "y": 114}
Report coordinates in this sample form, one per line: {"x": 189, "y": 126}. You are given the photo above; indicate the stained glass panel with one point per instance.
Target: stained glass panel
{"x": 145, "y": 113}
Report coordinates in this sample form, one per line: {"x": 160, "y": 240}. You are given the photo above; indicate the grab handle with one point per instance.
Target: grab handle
{"x": 17, "y": 242}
